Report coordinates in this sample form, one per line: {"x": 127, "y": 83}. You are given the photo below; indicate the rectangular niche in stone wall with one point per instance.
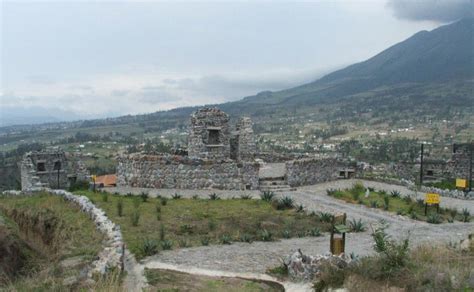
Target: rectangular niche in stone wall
{"x": 40, "y": 166}
{"x": 213, "y": 136}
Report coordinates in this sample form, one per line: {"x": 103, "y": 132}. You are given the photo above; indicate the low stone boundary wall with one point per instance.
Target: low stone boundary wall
{"x": 183, "y": 172}
{"x": 311, "y": 171}
{"x": 112, "y": 255}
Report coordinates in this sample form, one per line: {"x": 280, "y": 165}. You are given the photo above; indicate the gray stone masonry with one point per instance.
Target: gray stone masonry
{"x": 243, "y": 146}
{"x": 183, "y": 172}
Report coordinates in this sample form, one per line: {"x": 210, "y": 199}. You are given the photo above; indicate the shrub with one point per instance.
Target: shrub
{"x": 81, "y": 185}
{"x": 149, "y": 247}
{"x": 434, "y": 218}
{"x": 120, "y": 207}
{"x": 284, "y": 203}
{"x": 205, "y": 241}
{"x": 466, "y": 215}
{"x": 386, "y": 202}
{"x": 394, "y": 255}
{"x": 395, "y": 194}
{"x": 413, "y": 215}
{"x": 158, "y": 216}
{"x": 374, "y": 204}
{"x": 195, "y": 197}
{"x": 211, "y": 225}
{"x": 144, "y": 196}
{"x": 358, "y": 187}
{"x": 158, "y": 208}
{"x": 129, "y": 195}
{"x": 326, "y": 217}
{"x": 355, "y": 195}
{"x": 400, "y": 212}
{"x": 299, "y": 208}
{"x": 245, "y": 238}
{"x": 213, "y": 197}
{"x": 186, "y": 228}
{"x": 408, "y": 199}
{"x": 176, "y": 196}
{"x": 357, "y": 225}
{"x": 164, "y": 201}
{"x": 331, "y": 192}
{"x": 226, "y": 239}
{"x": 266, "y": 235}
{"x": 453, "y": 213}
{"x": 420, "y": 202}
{"x": 105, "y": 197}
{"x": 162, "y": 232}
{"x": 286, "y": 233}
{"x": 360, "y": 201}
{"x": 246, "y": 197}
{"x": 314, "y": 232}
{"x": 383, "y": 193}
{"x": 135, "y": 218}
{"x": 136, "y": 202}
{"x": 166, "y": 244}
{"x": 371, "y": 189}
{"x": 267, "y": 196}
{"x": 183, "y": 242}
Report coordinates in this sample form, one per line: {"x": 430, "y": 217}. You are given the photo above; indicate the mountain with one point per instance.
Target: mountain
{"x": 443, "y": 55}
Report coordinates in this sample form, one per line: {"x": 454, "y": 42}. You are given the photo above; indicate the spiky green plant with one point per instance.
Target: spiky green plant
{"x": 267, "y": 196}
{"x": 326, "y": 217}
{"x": 149, "y": 247}
{"x": 357, "y": 225}
{"x": 166, "y": 244}
{"x": 176, "y": 196}
{"x": 466, "y": 215}
{"x": 214, "y": 197}
{"x": 135, "y": 218}
{"x": 226, "y": 239}
{"x": 266, "y": 235}
{"x": 286, "y": 233}
{"x": 120, "y": 207}
{"x": 144, "y": 196}
{"x": 434, "y": 218}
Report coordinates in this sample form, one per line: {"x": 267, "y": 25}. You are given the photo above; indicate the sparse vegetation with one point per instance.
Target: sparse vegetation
{"x": 204, "y": 221}
{"x": 357, "y": 225}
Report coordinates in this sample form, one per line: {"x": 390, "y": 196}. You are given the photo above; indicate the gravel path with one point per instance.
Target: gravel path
{"x": 257, "y": 257}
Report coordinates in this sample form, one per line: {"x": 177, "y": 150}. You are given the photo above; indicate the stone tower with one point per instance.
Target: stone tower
{"x": 243, "y": 146}
{"x": 209, "y": 134}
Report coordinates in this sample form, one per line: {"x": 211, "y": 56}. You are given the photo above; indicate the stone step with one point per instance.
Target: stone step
{"x": 278, "y": 188}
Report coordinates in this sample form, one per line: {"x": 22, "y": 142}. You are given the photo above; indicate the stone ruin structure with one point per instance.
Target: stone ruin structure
{"x": 219, "y": 156}
{"x": 51, "y": 168}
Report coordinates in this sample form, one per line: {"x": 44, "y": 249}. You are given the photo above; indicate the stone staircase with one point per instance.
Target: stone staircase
{"x": 274, "y": 184}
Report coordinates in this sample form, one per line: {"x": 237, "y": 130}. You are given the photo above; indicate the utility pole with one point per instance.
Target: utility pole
{"x": 421, "y": 165}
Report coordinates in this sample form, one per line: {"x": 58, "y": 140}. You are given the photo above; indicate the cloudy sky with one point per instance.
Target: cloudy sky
{"x": 85, "y": 59}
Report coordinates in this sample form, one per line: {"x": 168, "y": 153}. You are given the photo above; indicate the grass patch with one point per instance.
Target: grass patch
{"x": 59, "y": 232}
{"x": 401, "y": 205}
{"x": 197, "y": 222}
{"x": 166, "y": 280}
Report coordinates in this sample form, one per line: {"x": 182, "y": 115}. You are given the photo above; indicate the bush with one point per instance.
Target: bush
{"x": 226, "y": 239}
{"x": 195, "y": 197}
{"x": 164, "y": 201}
{"x": 176, "y": 196}
{"x": 466, "y": 215}
{"x": 453, "y": 213}
{"x": 357, "y": 225}
{"x": 331, "y": 192}
{"x": 326, "y": 217}
{"x": 267, "y": 196}
{"x": 286, "y": 233}
{"x": 314, "y": 232}
{"x": 374, "y": 204}
{"x": 434, "y": 218}
{"x": 144, "y": 196}
{"x": 213, "y": 197}
{"x": 246, "y": 197}
{"x": 120, "y": 207}
{"x": 284, "y": 203}
{"x": 394, "y": 255}
{"x": 81, "y": 185}
{"x": 205, "y": 241}
{"x": 183, "y": 242}
{"x": 395, "y": 194}
{"x": 299, "y": 208}
{"x": 135, "y": 218}
{"x": 266, "y": 235}
{"x": 166, "y": 244}
{"x": 245, "y": 238}
{"x": 162, "y": 232}
{"x": 149, "y": 247}
{"x": 386, "y": 202}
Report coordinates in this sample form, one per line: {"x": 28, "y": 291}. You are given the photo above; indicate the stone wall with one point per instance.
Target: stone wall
{"x": 51, "y": 168}
{"x": 311, "y": 171}
{"x": 209, "y": 134}
{"x": 183, "y": 172}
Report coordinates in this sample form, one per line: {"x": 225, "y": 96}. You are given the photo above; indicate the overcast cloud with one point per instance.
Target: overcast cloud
{"x": 83, "y": 59}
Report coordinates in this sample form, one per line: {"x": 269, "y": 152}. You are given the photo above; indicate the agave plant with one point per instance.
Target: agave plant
{"x": 466, "y": 215}
{"x": 226, "y": 239}
{"x": 149, "y": 247}
{"x": 144, "y": 196}
{"x": 326, "y": 217}
{"x": 214, "y": 197}
{"x": 434, "y": 218}
{"x": 166, "y": 244}
{"x": 286, "y": 233}
{"x": 176, "y": 196}
{"x": 245, "y": 197}
{"x": 357, "y": 225}
{"x": 395, "y": 194}
{"x": 245, "y": 238}
{"x": 267, "y": 196}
